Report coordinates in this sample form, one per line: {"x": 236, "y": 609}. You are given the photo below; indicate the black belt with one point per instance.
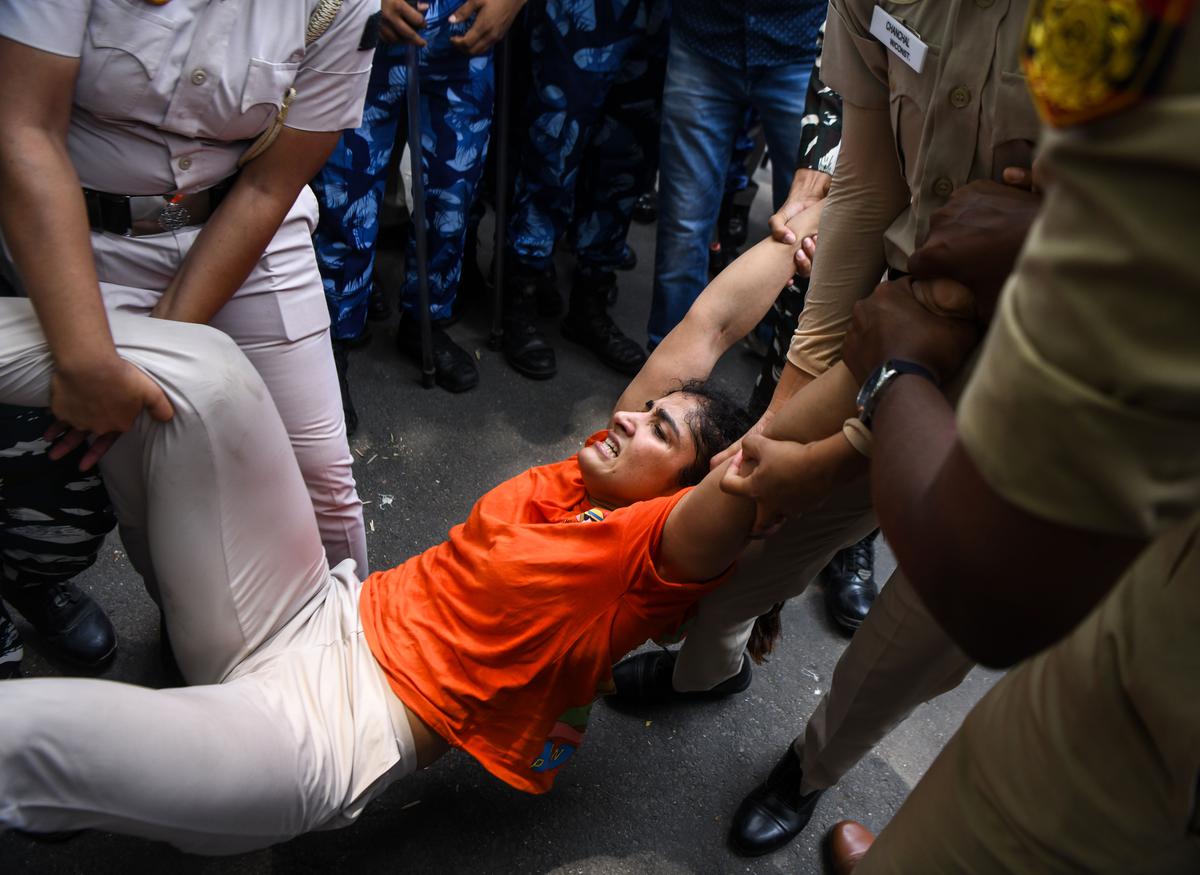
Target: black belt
{"x": 140, "y": 216}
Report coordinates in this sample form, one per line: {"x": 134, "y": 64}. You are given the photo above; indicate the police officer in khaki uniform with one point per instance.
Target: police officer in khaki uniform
{"x": 1079, "y": 428}
{"x": 133, "y": 118}
{"x": 934, "y": 98}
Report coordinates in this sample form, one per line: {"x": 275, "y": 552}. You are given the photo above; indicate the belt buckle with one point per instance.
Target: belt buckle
{"x": 158, "y": 214}
{"x": 174, "y": 215}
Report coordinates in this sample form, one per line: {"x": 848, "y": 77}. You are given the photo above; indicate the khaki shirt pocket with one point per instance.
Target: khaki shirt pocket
{"x": 1015, "y": 124}
{"x": 262, "y": 94}
{"x": 122, "y": 54}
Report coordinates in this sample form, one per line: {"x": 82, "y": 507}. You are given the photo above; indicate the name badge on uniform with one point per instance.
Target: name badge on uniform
{"x": 900, "y": 41}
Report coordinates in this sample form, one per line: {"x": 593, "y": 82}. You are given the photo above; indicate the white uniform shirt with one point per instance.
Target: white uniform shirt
{"x": 168, "y": 97}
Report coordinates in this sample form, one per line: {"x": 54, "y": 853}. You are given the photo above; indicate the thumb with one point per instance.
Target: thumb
{"x": 465, "y": 11}
{"x": 733, "y": 481}
{"x": 156, "y": 402}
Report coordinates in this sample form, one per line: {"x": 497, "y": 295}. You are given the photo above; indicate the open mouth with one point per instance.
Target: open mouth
{"x": 613, "y": 449}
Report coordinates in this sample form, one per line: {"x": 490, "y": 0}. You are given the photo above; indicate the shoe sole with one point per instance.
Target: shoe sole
{"x": 529, "y": 372}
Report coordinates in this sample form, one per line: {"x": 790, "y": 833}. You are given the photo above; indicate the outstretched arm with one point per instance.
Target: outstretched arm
{"x": 726, "y": 311}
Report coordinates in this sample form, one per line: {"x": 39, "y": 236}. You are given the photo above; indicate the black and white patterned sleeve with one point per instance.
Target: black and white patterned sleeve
{"x": 821, "y": 128}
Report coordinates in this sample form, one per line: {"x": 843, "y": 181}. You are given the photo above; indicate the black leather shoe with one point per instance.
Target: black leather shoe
{"x": 645, "y": 679}
{"x": 850, "y": 584}
{"x": 341, "y": 361}
{"x": 628, "y": 260}
{"x": 11, "y": 652}
{"x": 525, "y": 347}
{"x": 588, "y": 324}
{"x": 645, "y": 208}
{"x": 542, "y": 285}
{"x": 453, "y": 367}
{"x": 67, "y": 618}
{"x": 774, "y": 813}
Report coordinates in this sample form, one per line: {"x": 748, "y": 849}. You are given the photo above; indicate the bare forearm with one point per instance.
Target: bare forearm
{"x": 817, "y": 409}
{"x": 728, "y": 309}
{"x": 234, "y": 239}
{"x": 42, "y": 213}
{"x": 1001, "y": 582}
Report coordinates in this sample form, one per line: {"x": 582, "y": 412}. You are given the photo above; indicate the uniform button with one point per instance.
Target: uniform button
{"x": 185, "y": 163}
{"x": 199, "y": 77}
{"x": 943, "y": 187}
{"x": 960, "y": 97}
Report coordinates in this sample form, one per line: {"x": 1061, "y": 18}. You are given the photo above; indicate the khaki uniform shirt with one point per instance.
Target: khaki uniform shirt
{"x": 168, "y": 97}
{"x": 967, "y": 115}
{"x": 1085, "y": 409}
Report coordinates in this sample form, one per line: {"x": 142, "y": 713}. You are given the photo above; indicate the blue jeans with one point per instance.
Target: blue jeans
{"x": 704, "y": 105}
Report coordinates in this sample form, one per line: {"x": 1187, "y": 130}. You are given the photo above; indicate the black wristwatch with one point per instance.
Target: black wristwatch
{"x": 882, "y": 377}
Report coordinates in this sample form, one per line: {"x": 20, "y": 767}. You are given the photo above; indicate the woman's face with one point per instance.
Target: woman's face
{"x": 644, "y": 454}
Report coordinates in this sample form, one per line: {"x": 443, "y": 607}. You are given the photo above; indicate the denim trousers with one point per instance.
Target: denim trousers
{"x": 704, "y": 108}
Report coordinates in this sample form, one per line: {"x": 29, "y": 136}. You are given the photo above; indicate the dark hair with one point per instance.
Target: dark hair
{"x": 716, "y": 422}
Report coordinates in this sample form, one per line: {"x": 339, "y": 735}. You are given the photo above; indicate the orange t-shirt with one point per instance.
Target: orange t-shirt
{"x": 501, "y": 636}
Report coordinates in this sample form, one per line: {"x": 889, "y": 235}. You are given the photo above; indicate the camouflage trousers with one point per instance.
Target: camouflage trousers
{"x": 592, "y": 114}
{"x": 53, "y": 518}
{"x": 456, "y": 96}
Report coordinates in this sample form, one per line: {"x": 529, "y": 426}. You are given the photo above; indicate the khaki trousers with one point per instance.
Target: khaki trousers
{"x": 293, "y": 725}
{"x": 1085, "y": 758}
{"x": 898, "y": 659}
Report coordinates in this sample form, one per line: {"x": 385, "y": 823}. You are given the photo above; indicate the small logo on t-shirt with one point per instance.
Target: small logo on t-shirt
{"x": 592, "y": 515}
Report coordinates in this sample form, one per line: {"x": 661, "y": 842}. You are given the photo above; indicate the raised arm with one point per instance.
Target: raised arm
{"x": 732, "y": 304}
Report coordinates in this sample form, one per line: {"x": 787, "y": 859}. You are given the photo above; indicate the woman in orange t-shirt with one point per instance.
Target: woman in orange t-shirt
{"x": 313, "y": 691}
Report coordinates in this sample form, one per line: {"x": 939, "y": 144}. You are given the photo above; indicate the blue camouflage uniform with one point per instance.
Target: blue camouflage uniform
{"x": 457, "y": 94}
{"x": 592, "y": 114}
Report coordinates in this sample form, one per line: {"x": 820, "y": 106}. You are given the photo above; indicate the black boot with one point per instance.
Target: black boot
{"x": 525, "y": 347}
{"x": 67, "y": 618}
{"x": 589, "y": 324}
{"x": 453, "y": 367}
{"x": 850, "y": 584}
{"x": 379, "y": 308}
{"x": 341, "y": 361}
{"x": 11, "y": 652}
{"x": 645, "y": 208}
{"x": 774, "y": 812}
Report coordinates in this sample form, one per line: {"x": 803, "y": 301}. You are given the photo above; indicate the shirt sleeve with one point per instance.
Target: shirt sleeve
{"x": 55, "y": 26}
{"x": 1085, "y": 406}
{"x": 331, "y": 85}
{"x": 854, "y": 63}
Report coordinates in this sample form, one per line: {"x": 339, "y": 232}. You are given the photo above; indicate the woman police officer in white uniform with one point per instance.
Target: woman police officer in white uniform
{"x": 105, "y": 102}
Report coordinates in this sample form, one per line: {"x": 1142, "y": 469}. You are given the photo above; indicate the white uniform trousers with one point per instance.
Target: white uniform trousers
{"x": 280, "y": 321}
{"x": 294, "y": 726}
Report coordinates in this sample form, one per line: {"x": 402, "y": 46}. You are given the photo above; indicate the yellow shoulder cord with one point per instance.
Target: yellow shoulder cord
{"x": 318, "y": 23}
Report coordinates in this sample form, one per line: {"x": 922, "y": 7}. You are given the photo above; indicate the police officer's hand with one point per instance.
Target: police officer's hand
{"x": 892, "y": 324}
{"x": 101, "y": 401}
{"x": 401, "y": 21}
{"x": 492, "y": 21}
{"x": 808, "y": 190}
{"x": 976, "y": 236}
{"x": 782, "y": 477}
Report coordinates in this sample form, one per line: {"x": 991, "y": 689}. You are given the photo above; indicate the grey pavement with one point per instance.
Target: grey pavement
{"x": 650, "y": 792}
